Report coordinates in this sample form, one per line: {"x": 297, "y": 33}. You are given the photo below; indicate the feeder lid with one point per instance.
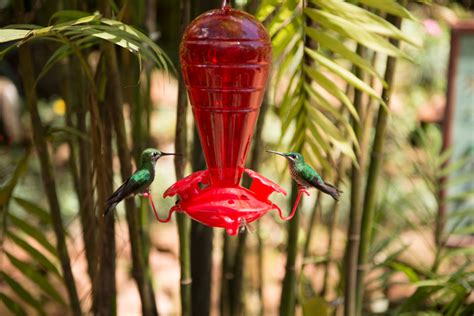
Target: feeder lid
{"x": 226, "y": 24}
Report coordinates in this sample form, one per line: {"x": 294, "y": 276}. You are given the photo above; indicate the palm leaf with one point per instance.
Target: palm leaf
{"x": 334, "y": 25}
{"x": 13, "y": 306}
{"x": 22, "y": 293}
{"x": 40, "y": 280}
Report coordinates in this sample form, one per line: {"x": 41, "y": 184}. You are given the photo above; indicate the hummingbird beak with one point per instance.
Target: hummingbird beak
{"x": 277, "y": 153}
{"x": 169, "y": 154}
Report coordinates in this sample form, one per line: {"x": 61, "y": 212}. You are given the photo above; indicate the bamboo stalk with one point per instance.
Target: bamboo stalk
{"x": 103, "y": 286}
{"x": 260, "y": 269}
{"x": 226, "y": 274}
{"x": 201, "y": 267}
{"x": 105, "y": 281}
{"x": 74, "y": 101}
{"x": 180, "y": 163}
{"x": 288, "y": 292}
{"x": 26, "y": 70}
{"x": 139, "y": 270}
{"x": 374, "y": 169}
{"x": 237, "y": 304}
{"x": 341, "y": 166}
{"x": 201, "y": 247}
{"x": 315, "y": 214}
{"x": 201, "y": 235}
{"x": 353, "y": 234}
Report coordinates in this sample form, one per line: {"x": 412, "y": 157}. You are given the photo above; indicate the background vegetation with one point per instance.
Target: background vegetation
{"x": 99, "y": 81}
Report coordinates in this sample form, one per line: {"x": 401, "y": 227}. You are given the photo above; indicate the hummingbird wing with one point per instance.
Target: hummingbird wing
{"x": 138, "y": 182}
{"x": 316, "y": 181}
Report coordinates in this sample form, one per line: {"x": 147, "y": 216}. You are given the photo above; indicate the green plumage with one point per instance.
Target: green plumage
{"x": 306, "y": 176}
{"x": 140, "y": 181}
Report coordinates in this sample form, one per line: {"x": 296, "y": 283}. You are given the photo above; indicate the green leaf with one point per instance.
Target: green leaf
{"x": 32, "y": 232}
{"x": 34, "y": 253}
{"x": 142, "y": 38}
{"x": 266, "y": 8}
{"x": 343, "y": 73}
{"x": 62, "y": 52}
{"x": 325, "y": 40}
{"x": 34, "y": 209}
{"x": 290, "y": 65}
{"x": 389, "y": 6}
{"x": 409, "y": 272}
{"x": 333, "y": 89}
{"x": 6, "y": 188}
{"x": 370, "y": 21}
{"x": 284, "y": 14}
{"x": 22, "y": 293}
{"x": 323, "y": 104}
{"x": 27, "y": 27}
{"x": 293, "y": 112}
{"x": 68, "y": 15}
{"x": 8, "y": 35}
{"x": 355, "y": 31}
{"x": 311, "y": 124}
{"x": 68, "y": 130}
{"x": 75, "y": 22}
{"x": 316, "y": 151}
{"x": 14, "y": 307}
{"x": 315, "y": 306}
{"x": 36, "y": 278}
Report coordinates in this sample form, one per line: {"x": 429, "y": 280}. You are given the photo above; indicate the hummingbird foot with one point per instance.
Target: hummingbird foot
{"x": 146, "y": 193}
{"x": 303, "y": 190}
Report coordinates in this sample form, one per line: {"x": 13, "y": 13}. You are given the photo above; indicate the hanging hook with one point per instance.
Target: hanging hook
{"x": 225, "y": 4}
{"x": 166, "y": 220}
{"x": 295, "y": 206}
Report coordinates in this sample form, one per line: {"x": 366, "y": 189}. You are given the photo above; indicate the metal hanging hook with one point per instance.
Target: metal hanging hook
{"x": 225, "y": 3}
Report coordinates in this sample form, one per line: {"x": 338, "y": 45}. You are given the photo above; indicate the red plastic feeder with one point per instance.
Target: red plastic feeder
{"x": 225, "y": 60}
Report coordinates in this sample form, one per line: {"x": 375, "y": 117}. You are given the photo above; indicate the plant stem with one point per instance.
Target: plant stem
{"x": 374, "y": 169}
{"x": 139, "y": 267}
{"x": 260, "y": 269}
{"x": 74, "y": 102}
{"x": 316, "y": 212}
{"x": 237, "y": 282}
{"x": 201, "y": 248}
{"x": 288, "y": 291}
{"x": 105, "y": 282}
{"x": 353, "y": 234}
{"x": 26, "y": 69}
{"x": 341, "y": 167}
{"x": 180, "y": 163}
{"x": 226, "y": 274}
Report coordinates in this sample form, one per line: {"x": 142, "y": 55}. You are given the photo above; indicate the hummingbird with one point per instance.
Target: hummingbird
{"x": 140, "y": 181}
{"x": 305, "y": 176}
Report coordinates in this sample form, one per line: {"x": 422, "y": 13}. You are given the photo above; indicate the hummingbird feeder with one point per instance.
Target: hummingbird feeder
{"x": 225, "y": 59}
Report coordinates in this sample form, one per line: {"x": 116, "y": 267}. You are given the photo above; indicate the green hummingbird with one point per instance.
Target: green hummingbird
{"x": 305, "y": 176}
{"x": 139, "y": 181}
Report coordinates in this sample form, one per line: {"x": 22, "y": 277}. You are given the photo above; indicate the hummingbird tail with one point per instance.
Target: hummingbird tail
{"x": 331, "y": 190}
{"x": 109, "y": 206}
